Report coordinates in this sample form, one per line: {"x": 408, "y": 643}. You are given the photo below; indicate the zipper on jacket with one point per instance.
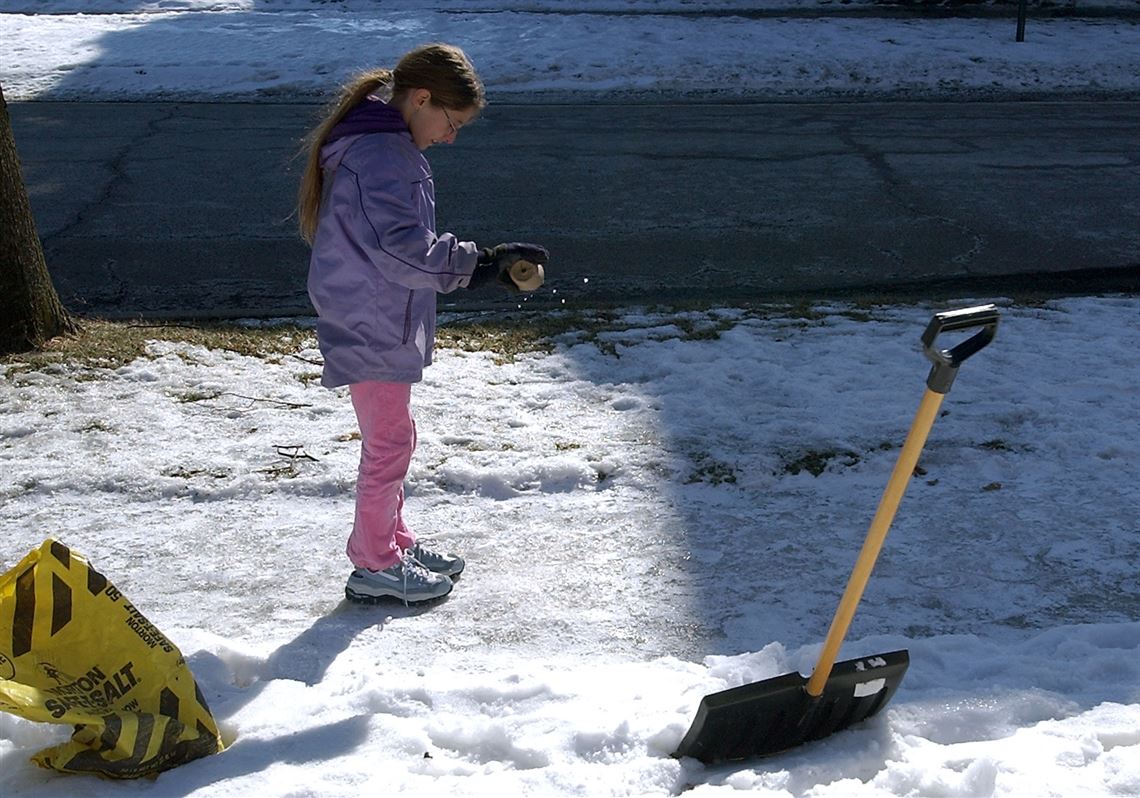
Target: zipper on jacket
{"x": 408, "y": 317}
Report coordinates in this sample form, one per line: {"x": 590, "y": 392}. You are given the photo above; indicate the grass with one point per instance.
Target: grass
{"x": 507, "y": 339}
{"x": 102, "y": 344}
{"x": 112, "y": 344}
{"x": 712, "y": 472}
{"x": 816, "y": 461}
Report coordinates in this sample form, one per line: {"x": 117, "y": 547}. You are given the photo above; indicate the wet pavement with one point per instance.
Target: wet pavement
{"x": 184, "y": 209}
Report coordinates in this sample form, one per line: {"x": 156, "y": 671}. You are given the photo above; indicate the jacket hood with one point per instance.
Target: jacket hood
{"x": 369, "y": 116}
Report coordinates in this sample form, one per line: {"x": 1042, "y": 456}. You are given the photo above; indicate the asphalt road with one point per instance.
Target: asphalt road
{"x": 185, "y": 209}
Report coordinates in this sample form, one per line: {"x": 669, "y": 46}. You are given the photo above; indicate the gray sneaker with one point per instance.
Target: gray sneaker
{"x": 407, "y": 581}
{"x": 437, "y": 562}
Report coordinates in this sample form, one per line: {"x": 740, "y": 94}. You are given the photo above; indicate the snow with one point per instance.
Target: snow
{"x": 665, "y": 505}
{"x": 624, "y": 50}
{"x": 635, "y": 539}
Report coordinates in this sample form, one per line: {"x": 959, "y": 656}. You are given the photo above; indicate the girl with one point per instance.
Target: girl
{"x": 367, "y": 208}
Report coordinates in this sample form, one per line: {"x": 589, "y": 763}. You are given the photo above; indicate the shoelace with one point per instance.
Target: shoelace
{"x": 410, "y": 563}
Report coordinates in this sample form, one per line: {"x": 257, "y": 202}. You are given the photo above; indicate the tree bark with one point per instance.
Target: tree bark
{"x": 30, "y": 310}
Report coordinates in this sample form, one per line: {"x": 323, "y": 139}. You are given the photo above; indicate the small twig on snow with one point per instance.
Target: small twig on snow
{"x": 279, "y": 402}
{"x": 295, "y": 452}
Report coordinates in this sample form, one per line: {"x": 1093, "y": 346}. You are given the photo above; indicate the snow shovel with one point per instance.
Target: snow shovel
{"x": 780, "y": 713}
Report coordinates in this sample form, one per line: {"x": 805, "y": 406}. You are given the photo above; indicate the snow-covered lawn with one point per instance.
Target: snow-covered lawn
{"x": 637, "y": 537}
{"x": 290, "y": 50}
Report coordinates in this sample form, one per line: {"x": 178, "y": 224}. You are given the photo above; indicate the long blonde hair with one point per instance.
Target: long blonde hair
{"x": 442, "y": 69}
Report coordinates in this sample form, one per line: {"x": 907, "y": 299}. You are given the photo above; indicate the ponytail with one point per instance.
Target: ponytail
{"x": 312, "y": 179}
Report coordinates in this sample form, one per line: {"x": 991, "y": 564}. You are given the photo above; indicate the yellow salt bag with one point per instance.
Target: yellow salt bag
{"x": 74, "y": 650}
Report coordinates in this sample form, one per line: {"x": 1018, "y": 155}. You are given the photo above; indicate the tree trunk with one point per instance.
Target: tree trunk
{"x": 30, "y": 310}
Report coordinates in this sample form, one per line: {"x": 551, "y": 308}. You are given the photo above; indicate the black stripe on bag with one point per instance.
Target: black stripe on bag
{"x": 201, "y": 699}
{"x": 142, "y": 739}
{"x": 25, "y": 613}
{"x": 60, "y": 604}
{"x": 168, "y": 703}
{"x": 170, "y": 735}
{"x": 96, "y": 582}
{"x": 61, "y": 553}
{"x": 111, "y": 732}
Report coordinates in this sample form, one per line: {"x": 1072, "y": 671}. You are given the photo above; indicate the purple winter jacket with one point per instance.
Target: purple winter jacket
{"x": 377, "y": 263}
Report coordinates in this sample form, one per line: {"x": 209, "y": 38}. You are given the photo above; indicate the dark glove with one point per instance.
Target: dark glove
{"x": 494, "y": 263}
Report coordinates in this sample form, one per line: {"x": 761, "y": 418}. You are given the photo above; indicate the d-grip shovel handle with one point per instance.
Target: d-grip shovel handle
{"x": 946, "y": 364}
{"x": 946, "y": 361}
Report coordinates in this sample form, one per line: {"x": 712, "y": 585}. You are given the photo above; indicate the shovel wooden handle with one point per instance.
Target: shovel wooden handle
{"x": 880, "y": 525}
{"x": 946, "y": 363}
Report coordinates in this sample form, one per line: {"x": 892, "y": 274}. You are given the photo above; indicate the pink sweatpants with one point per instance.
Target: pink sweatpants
{"x": 388, "y": 439}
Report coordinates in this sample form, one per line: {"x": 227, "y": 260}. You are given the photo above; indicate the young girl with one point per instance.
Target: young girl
{"x": 367, "y": 208}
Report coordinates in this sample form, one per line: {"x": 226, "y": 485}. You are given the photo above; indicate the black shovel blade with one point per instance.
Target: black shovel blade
{"x": 776, "y": 714}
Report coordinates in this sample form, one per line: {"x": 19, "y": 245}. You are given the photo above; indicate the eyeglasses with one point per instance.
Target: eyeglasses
{"x": 447, "y": 116}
